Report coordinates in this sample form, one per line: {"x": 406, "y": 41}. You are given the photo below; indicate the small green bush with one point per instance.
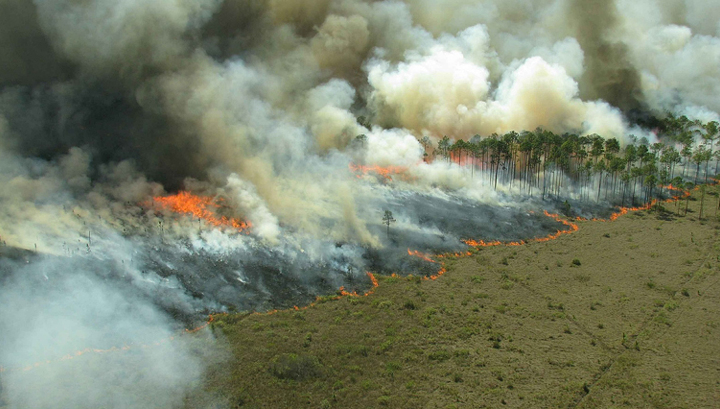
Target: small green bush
{"x": 575, "y": 262}
{"x": 441, "y": 355}
{"x": 410, "y": 305}
{"x": 296, "y": 367}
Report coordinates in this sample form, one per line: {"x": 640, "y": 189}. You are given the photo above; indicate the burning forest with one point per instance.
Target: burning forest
{"x": 165, "y": 160}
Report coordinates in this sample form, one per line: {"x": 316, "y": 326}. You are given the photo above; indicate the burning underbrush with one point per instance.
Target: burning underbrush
{"x": 193, "y": 254}
{"x": 223, "y": 266}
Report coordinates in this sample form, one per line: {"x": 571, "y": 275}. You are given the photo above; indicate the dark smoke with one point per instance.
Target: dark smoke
{"x": 609, "y": 74}
{"x": 26, "y": 54}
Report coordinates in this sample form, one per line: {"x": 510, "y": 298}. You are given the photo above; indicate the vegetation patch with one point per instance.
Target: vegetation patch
{"x": 296, "y": 367}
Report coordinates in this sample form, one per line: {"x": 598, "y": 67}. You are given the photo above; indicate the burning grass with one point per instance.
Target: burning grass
{"x": 201, "y": 207}
{"x": 385, "y": 172}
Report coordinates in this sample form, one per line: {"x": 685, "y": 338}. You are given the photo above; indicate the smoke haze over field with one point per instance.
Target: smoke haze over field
{"x": 106, "y": 104}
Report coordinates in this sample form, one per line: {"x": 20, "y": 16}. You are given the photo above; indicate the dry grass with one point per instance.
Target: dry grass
{"x": 619, "y": 314}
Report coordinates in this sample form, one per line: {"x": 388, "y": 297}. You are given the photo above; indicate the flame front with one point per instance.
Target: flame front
{"x": 423, "y": 256}
{"x": 386, "y": 172}
{"x": 202, "y": 207}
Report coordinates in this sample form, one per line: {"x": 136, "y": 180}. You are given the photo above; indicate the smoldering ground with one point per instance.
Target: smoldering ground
{"x": 105, "y": 105}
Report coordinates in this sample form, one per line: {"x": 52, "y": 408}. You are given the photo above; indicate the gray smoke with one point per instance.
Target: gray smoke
{"x": 609, "y": 75}
{"x": 53, "y": 308}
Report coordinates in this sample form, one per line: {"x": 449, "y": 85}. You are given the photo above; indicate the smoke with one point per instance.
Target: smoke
{"x": 262, "y": 107}
{"x": 48, "y": 313}
{"x": 609, "y": 75}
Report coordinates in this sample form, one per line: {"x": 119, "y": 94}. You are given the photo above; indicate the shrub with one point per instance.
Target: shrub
{"x": 295, "y": 367}
{"x": 575, "y": 262}
{"x": 477, "y": 279}
{"x": 441, "y": 355}
{"x": 410, "y": 305}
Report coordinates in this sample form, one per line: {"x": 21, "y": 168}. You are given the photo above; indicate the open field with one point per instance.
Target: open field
{"x": 618, "y": 314}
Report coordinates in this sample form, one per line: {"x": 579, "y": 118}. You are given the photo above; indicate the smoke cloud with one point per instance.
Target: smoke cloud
{"x": 279, "y": 112}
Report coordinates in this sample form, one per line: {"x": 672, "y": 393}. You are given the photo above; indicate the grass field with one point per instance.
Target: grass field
{"x": 618, "y": 314}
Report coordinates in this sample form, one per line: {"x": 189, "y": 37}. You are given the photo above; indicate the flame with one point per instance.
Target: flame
{"x": 423, "y": 256}
{"x": 454, "y": 255}
{"x": 341, "y": 293}
{"x": 482, "y": 243}
{"x": 622, "y": 211}
{"x": 202, "y": 207}
{"x": 386, "y": 172}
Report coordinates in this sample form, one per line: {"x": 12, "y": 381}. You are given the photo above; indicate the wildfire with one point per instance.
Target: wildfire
{"x": 341, "y": 293}
{"x": 87, "y": 351}
{"x": 482, "y": 243}
{"x": 622, "y": 211}
{"x": 571, "y": 228}
{"x": 454, "y": 255}
{"x": 386, "y": 172}
{"x": 202, "y": 207}
{"x": 199, "y": 206}
{"x": 436, "y": 276}
{"x": 423, "y": 256}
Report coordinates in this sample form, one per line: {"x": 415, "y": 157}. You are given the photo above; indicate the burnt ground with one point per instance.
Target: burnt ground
{"x": 618, "y": 314}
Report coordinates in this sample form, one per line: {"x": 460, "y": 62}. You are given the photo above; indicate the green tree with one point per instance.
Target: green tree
{"x": 710, "y": 135}
{"x": 444, "y": 147}
{"x": 598, "y": 147}
{"x": 427, "y": 144}
{"x": 701, "y": 155}
{"x": 599, "y": 169}
{"x": 387, "y": 219}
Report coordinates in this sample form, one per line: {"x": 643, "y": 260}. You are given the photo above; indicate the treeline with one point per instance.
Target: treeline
{"x": 546, "y": 162}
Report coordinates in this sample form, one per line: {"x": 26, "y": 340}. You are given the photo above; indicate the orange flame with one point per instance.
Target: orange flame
{"x": 423, "y": 256}
{"x": 341, "y": 294}
{"x": 202, "y": 207}
{"x": 386, "y": 172}
{"x": 482, "y": 243}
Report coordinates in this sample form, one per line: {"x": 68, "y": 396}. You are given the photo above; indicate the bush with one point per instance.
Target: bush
{"x": 576, "y": 262}
{"x": 410, "y": 305}
{"x": 295, "y": 367}
{"x": 441, "y": 355}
